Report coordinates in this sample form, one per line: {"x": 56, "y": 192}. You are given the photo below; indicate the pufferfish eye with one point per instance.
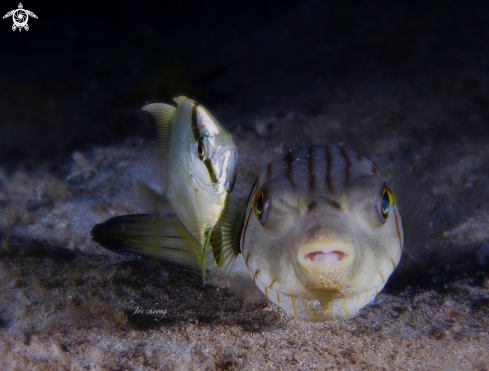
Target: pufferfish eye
{"x": 388, "y": 201}
{"x": 258, "y": 203}
{"x": 200, "y": 149}
{"x": 261, "y": 205}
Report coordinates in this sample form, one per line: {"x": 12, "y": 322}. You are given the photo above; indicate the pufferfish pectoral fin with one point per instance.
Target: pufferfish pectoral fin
{"x": 225, "y": 236}
{"x": 413, "y": 214}
{"x": 163, "y": 115}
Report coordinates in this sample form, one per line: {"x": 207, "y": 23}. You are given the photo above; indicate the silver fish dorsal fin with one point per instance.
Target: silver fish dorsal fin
{"x": 413, "y": 214}
{"x": 163, "y": 115}
{"x": 179, "y": 100}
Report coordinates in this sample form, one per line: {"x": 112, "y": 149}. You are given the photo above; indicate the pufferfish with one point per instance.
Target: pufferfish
{"x": 320, "y": 234}
{"x": 196, "y": 159}
{"x": 323, "y": 231}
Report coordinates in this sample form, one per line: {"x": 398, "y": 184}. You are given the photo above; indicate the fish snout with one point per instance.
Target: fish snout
{"x": 326, "y": 264}
{"x": 228, "y": 163}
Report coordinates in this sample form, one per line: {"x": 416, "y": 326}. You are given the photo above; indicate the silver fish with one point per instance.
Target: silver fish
{"x": 197, "y": 161}
{"x": 200, "y": 157}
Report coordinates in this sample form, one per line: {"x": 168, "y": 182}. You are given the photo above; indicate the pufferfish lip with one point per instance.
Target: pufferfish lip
{"x": 332, "y": 253}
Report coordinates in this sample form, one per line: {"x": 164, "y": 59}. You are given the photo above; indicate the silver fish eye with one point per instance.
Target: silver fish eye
{"x": 200, "y": 149}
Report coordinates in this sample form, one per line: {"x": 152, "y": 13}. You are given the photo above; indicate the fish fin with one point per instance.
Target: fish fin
{"x": 219, "y": 241}
{"x": 138, "y": 234}
{"x": 225, "y": 236}
{"x": 179, "y": 100}
{"x": 193, "y": 245}
{"x": 241, "y": 284}
{"x": 294, "y": 137}
{"x": 414, "y": 220}
{"x": 150, "y": 199}
{"x": 144, "y": 234}
{"x": 163, "y": 115}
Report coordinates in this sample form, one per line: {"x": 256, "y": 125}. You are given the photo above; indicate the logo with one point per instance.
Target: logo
{"x": 20, "y": 17}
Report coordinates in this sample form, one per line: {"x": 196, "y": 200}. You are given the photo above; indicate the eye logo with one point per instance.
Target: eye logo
{"x": 20, "y": 17}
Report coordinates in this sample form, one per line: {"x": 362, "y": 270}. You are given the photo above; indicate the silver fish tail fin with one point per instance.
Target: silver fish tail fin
{"x": 156, "y": 237}
{"x": 163, "y": 115}
{"x": 414, "y": 219}
{"x": 137, "y": 234}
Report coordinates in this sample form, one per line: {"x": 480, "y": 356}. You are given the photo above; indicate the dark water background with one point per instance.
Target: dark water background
{"x": 81, "y": 73}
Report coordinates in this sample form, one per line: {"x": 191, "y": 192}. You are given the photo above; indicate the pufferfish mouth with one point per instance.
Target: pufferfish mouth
{"x": 326, "y": 253}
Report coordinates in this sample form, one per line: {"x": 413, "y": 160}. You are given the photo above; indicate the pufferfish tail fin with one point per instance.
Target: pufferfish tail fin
{"x": 163, "y": 115}
{"x": 157, "y": 237}
{"x": 414, "y": 220}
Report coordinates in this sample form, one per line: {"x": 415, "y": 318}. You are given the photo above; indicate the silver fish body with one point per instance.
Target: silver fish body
{"x": 199, "y": 161}
{"x": 196, "y": 159}
{"x": 322, "y": 232}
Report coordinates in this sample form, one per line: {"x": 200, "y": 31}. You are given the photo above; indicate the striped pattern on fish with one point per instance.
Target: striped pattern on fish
{"x": 322, "y": 232}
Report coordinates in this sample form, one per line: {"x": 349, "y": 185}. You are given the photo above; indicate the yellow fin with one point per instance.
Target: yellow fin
{"x": 179, "y": 100}
{"x": 139, "y": 234}
{"x": 157, "y": 237}
{"x": 225, "y": 236}
{"x": 194, "y": 246}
